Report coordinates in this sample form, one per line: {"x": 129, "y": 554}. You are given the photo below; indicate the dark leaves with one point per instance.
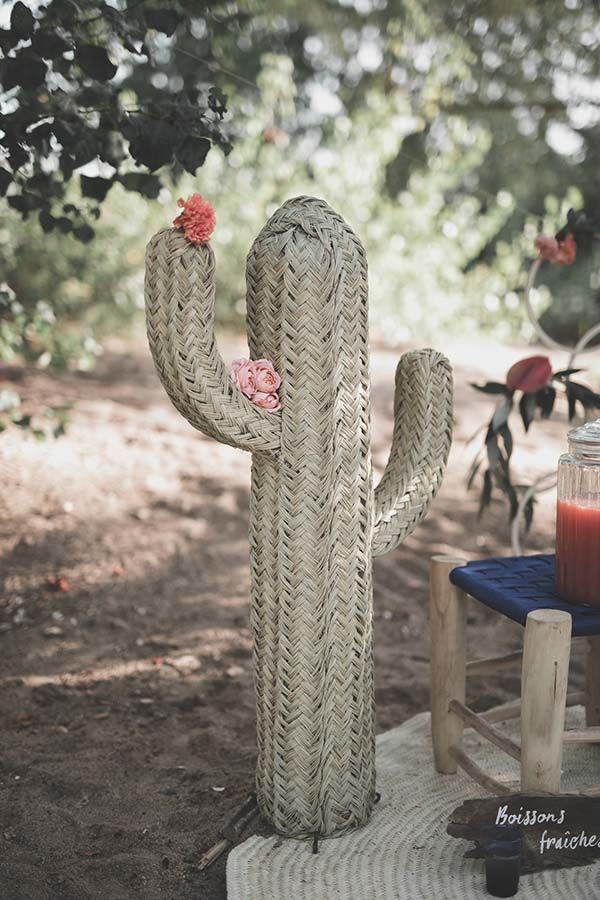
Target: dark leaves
{"x": 192, "y": 153}
{"x": 528, "y": 512}
{"x": 21, "y": 20}
{"x": 165, "y": 20}
{"x": 95, "y": 187}
{"x": 579, "y": 393}
{"x": 486, "y": 491}
{"x": 95, "y": 62}
{"x": 48, "y": 44}
{"x": 146, "y": 185}
{"x": 25, "y": 70}
{"x": 5, "y": 180}
{"x": 152, "y": 142}
{"x": 527, "y": 407}
{"x": 491, "y": 387}
{"x": 17, "y": 155}
{"x": 84, "y": 233}
{"x": 545, "y": 400}
{"x": 88, "y": 122}
{"x": 565, "y": 373}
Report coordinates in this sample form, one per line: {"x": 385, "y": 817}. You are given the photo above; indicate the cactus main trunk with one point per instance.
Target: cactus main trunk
{"x": 310, "y": 526}
{"x": 315, "y": 521}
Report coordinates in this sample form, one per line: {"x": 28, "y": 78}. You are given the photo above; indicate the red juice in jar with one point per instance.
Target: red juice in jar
{"x": 578, "y": 518}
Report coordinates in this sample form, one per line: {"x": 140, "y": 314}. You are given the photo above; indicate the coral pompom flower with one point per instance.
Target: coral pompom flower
{"x": 529, "y": 374}
{"x": 198, "y": 219}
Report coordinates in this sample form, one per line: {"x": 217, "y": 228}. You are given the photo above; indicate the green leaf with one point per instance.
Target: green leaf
{"x": 486, "y": 492}
{"x": 165, "y": 20}
{"x": 491, "y": 387}
{"x": 23, "y": 203}
{"x": 501, "y": 414}
{"x": 529, "y": 508}
{"x": 48, "y": 44}
{"x": 24, "y": 70}
{"x": 527, "y": 405}
{"x": 95, "y": 62}
{"x": 64, "y": 11}
{"x": 565, "y": 373}
{"x": 47, "y": 221}
{"x": 192, "y": 153}
{"x": 475, "y": 467}
{"x": 5, "y": 179}
{"x": 506, "y": 435}
{"x": 545, "y": 398}
{"x": 84, "y": 233}
{"x": 152, "y": 143}
{"x": 63, "y": 224}
{"x": 95, "y": 187}
{"x": 146, "y": 185}
{"x": 21, "y": 20}
{"x": 17, "y": 155}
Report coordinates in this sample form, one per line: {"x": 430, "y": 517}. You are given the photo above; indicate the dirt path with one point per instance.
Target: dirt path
{"x": 127, "y": 726}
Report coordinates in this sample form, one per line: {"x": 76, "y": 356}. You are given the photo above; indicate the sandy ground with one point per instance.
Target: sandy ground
{"x": 127, "y": 721}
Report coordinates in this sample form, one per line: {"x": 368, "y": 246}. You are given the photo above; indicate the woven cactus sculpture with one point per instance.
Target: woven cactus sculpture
{"x": 315, "y": 521}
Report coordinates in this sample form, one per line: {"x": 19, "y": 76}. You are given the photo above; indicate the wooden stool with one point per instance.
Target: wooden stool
{"x": 521, "y": 588}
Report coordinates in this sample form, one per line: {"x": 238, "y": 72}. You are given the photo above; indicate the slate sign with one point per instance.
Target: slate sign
{"x": 559, "y": 830}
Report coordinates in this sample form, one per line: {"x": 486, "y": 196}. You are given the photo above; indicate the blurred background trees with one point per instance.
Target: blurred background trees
{"x": 447, "y": 133}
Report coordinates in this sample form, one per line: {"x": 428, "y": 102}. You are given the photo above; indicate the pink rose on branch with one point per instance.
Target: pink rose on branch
{"x": 257, "y": 380}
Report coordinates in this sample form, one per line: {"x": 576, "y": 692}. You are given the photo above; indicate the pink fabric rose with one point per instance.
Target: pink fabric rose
{"x": 270, "y": 402}
{"x": 258, "y": 381}
{"x": 266, "y": 378}
{"x": 242, "y": 375}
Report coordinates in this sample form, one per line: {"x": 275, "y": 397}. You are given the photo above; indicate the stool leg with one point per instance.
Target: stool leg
{"x": 592, "y": 681}
{"x": 543, "y": 697}
{"x": 448, "y": 619}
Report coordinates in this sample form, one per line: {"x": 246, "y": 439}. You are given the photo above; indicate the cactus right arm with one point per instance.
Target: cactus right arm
{"x": 180, "y": 306}
{"x": 420, "y": 447}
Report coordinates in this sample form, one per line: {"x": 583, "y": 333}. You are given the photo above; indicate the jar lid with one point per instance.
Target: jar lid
{"x": 586, "y": 436}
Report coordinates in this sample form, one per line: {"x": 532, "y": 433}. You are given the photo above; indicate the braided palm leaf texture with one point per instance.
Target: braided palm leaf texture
{"x": 315, "y": 521}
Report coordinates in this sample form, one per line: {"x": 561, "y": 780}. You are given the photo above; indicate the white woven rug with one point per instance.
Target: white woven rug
{"x": 404, "y": 852}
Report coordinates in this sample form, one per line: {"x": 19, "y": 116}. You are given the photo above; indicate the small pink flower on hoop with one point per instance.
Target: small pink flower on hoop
{"x": 562, "y": 252}
{"x": 257, "y": 380}
{"x": 198, "y": 219}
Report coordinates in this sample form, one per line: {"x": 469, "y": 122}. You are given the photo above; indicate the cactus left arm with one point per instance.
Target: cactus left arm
{"x": 420, "y": 446}
{"x": 180, "y": 310}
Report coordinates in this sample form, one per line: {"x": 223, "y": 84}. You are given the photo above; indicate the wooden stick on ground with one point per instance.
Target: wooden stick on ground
{"x": 232, "y": 830}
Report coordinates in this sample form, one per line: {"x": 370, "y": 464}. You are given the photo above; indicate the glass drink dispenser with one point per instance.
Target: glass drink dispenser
{"x": 578, "y": 517}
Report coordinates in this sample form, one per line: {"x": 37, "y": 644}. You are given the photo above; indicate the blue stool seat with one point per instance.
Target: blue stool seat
{"x": 516, "y": 585}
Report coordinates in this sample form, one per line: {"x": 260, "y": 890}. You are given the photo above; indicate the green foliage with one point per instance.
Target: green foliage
{"x": 431, "y": 127}
{"x": 71, "y": 100}
{"x": 60, "y": 297}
